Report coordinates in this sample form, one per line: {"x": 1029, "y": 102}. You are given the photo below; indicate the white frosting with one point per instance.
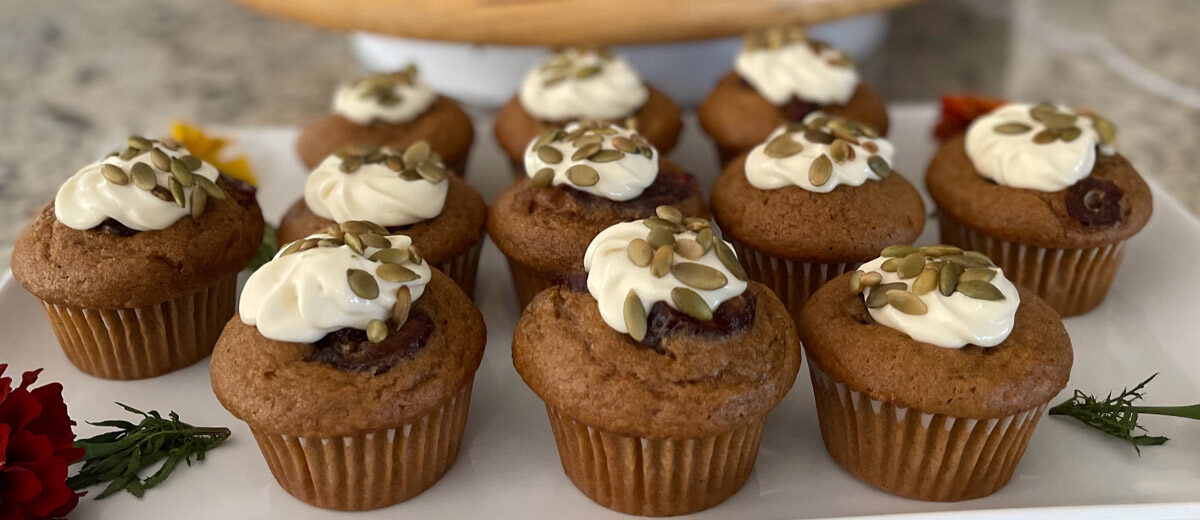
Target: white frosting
{"x": 620, "y": 180}
{"x": 1017, "y": 161}
{"x": 615, "y": 91}
{"x": 303, "y": 296}
{"x": 769, "y": 173}
{"x": 87, "y": 198}
{"x": 951, "y": 321}
{"x": 611, "y": 275}
{"x": 357, "y": 102}
{"x": 796, "y": 69}
{"x": 374, "y": 193}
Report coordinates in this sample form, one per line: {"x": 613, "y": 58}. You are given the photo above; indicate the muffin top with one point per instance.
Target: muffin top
{"x": 667, "y": 339}
{"x": 582, "y": 83}
{"x": 939, "y": 330}
{"x": 1043, "y": 175}
{"x": 336, "y": 339}
{"x": 583, "y": 179}
{"x": 783, "y": 64}
{"x": 826, "y": 172}
{"x": 137, "y": 228}
{"x": 397, "y": 97}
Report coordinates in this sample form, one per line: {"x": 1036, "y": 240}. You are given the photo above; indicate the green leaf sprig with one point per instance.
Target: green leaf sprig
{"x": 119, "y": 456}
{"x": 266, "y": 249}
{"x": 1118, "y": 416}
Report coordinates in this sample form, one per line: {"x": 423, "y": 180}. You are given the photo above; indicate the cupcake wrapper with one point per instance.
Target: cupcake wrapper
{"x": 372, "y": 470}
{"x": 792, "y": 281}
{"x": 463, "y": 268}
{"x": 655, "y": 477}
{"x": 1073, "y": 281}
{"x": 147, "y": 341}
{"x": 528, "y": 281}
{"x": 918, "y": 455}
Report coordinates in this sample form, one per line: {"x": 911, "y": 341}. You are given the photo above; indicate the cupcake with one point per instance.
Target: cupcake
{"x": 136, "y": 260}
{"x": 813, "y": 201}
{"x": 580, "y": 180}
{"x": 1040, "y": 189}
{"x": 659, "y": 371}
{"x": 408, "y": 191}
{"x": 577, "y": 84}
{"x": 930, "y": 371}
{"x": 780, "y": 77}
{"x": 395, "y": 110}
{"x": 352, "y": 368}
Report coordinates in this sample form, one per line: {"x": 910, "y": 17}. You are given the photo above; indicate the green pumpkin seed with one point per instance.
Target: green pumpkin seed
{"x": 690, "y": 303}
{"x": 543, "y": 178}
{"x": 402, "y": 306}
{"x": 624, "y": 144}
{"x": 948, "y": 278}
{"x": 416, "y": 154}
{"x": 670, "y": 214}
{"x": 362, "y": 226}
{"x": 414, "y": 255}
{"x": 330, "y": 242}
{"x": 814, "y": 135}
{"x": 210, "y": 187}
{"x": 583, "y": 175}
{"x": 878, "y": 296}
{"x": 699, "y": 276}
{"x": 181, "y": 173}
{"x": 820, "y": 171}
{"x": 890, "y": 265}
{"x": 1105, "y": 129}
{"x": 1012, "y": 128}
{"x": 350, "y": 165}
{"x": 549, "y": 155}
{"x": 1059, "y": 120}
{"x": 898, "y": 250}
{"x": 396, "y": 273}
{"x": 177, "y": 193}
{"x": 695, "y": 224}
{"x": 660, "y": 263}
{"x": 977, "y": 274}
{"x": 192, "y": 162}
{"x": 1070, "y": 133}
{"x": 199, "y": 201}
{"x": 394, "y": 163}
{"x": 143, "y": 176}
{"x": 871, "y": 279}
{"x": 926, "y": 282}
{"x": 689, "y": 248}
{"x": 293, "y": 247}
{"x": 910, "y": 266}
{"x": 138, "y": 142}
{"x": 728, "y": 259}
{"x": 879, "y": 165}
{"x": 978, "y": 257}
{"x": 705, "y": 238}
{"x": 432, "y": 172}
{"x": 362, "y": 283}
{"x": 856, "y": 282}
{"x": 114, "y": 174}
{"x": 546, "y": 137}
{"x": 980, "y": 290}
{"x": 374, "y": 240}
{"x": 635, "y": 316}
{"x": 353, "y": 242}
{"x": 604, "y": 156}
{"x": 585, "y": 152}
{"x": 1045, "y": 137}
{"x": 940, "y": 250}
{"x": 839, "y": 151}
{"x": 659, "y": 237}
{"x": 782, "y": 146}
{"x": 1041, "y": 110}
{"x": 906, "y": 302}
{"x": 657, "y": 222}
{"x": 160, "y": 160}
{"x": 390, "y": 256}
{"x": 129, "y": 153}
{"x": 640, "y": 252}
{"x": 377, "y": 331}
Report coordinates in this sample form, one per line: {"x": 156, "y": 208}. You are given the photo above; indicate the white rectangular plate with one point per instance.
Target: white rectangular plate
{"x": 509, "y": 469}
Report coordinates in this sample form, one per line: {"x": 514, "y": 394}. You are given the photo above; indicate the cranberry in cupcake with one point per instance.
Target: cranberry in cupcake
{"x": 585, "y": 83}
{"x": 782, "y": 76}
{"x": 352, "y": 367}
{"x": 930, "y": 370}
{"x": 407, "y": 191}
{"x": 136, "y": 260}
{"x": 396, "y": 110}
{"x": 580, "y": 180}
{"x": 1040, "y": 189}
{"x": 658, "y": 374}
{"x": 814, "y": 200}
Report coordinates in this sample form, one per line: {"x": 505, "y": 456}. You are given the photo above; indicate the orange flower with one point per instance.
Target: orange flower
{"x": 208, "y": 149}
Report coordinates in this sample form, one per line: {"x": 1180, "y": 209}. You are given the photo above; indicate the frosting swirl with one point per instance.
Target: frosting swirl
{"x": 782, "y": 63}
{"x": 137, "y": 188}
{"x": 379, "y": 186}
{"x": 691, "y": 271}
{"x": 939, "y": 295}
{"x": 1043, "y": 147}
{"x": 397, "y": 97}
{"x": 582, "y": 84}
{"x": 308, "y": 290}
{"x": 819, "y": 155}
{"x": 603, "y": 159}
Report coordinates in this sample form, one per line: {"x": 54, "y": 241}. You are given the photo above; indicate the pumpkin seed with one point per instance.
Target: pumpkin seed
{"x": 871, "y": 279}
{"x": 309, "y": 243}
{"x": 353, "y": 242}
{"x": 699, "y": 276}
{"x": 660, "y": 263}
{"x": 171, "y": 144}
{"x": 940, "y": 250}
{"x": 143, "y": 176}
{"x": 362, "y": 226}
{"x": 431, "y": 172}
{"x": 394, "y": 163}
{"x": 640, "y": 252}
{"x": 728, "y": 259}
{"x": 1059, "y": 120}
{"x": 1040, "y": 111}
{"x": 549, "y": 154}
{"x": 898, "y": 250}
{"x": 362, "y": 284}
{"x": 396, "y": 273}
{"x": 114, "y": 174}
{"x": 878, "y": 296}
{"x": 293, "y": 247}
{"x": 820, "y": 171}
{"x": 138, "y": 142}
{"x": 543, "y": 178}
{"x": 948, "y": 279}
{"x": 635, "y": 316}
{"x": 414, "y": 255}
{"x": 695, "y": 224}
{"x": 980, "y": 290}
{"x": 705, "y": 238}
{"x": 856, "y": 282}
{"x": 1070, "y": 133}
{"x": 624, "y": 144}
{"x": 657, "y": 222}
{"x": 583, "y": 175}
{"x": 330, "y": 242}
{"x": 1044, "y": 137}
{"x": 550, "y": 134}
{"x": 402, "y": 306}
{"x": 192, "y": 162}
{"x": 374, "y": 240}
{"x": 839, "y": 151}
{"x": 910, "y": 266}
{"x": 604, "y": 156}
{"x": 782, "y": 146}
{"x": 906, "y": 302}
{"x": 978, "y": 257}
{"x": 879, "y": 165}
{"x": 1105, "y": 129}
{"x": 586, "y": 151}
{"x": 350, "y": 164}
{"x": 181, "y": 173}
{"x": 1012, "y": 128}
{"x": 587, "y": 72}
{"x": 690, "y": 303}
{"x": 926, "y": 282}
{"x": 390, "y": 256}
{"x": 377, "y": 331}
{"x": 416, "y": 154}
{"x": 176, "y": 192}
{"x": 160, "y": 159}
{"x": 890, "y": 265}
{"x": 982, "y": 274}
{"x": 210, "y": 187}
{"x": 199, "y": 201}
{"x": 689, "y": 248}
{"x": 129, "y": 153}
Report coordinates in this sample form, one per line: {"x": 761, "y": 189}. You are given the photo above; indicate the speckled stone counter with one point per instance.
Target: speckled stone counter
{"x": 74, "y": 77}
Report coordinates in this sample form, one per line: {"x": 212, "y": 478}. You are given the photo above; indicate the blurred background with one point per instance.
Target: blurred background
{"x": 75, "y": 77}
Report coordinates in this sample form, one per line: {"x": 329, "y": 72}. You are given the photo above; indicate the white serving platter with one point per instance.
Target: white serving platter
{"x": 508, "y": 467}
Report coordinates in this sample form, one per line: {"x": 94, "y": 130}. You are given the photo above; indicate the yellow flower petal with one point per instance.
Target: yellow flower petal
{"x": 208, "y": 149}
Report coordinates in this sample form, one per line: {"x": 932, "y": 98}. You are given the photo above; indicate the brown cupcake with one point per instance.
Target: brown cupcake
{"x": 738, "y": 117}
{"x": 128, "y": 304}
{"x": 1065, "y": 245}
{"x": 354, "y": 421}
{"x": 444, "y": 125}
{"x": 665, "y": 419}
{"x": 921, "y": 420}
{"x": 451, "y": 241}
{"x": 794, "y": 240}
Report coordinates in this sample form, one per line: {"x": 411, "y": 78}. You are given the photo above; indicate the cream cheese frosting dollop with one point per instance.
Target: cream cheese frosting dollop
{"x": 88, "y": 198}
{"x": 612, "y": 274}
{"x": 788, "y": 155}
{"x": 300, "y": 296}
{"x": 783, "y": 63}
{"x": 1037, "y": 147}
{"x": 398, "y": 97}
{"x": 952, "y": 321}
{"x": 374, "y": 192}
{"x": 582, "y": 84}
{"x": 603, "y": 159}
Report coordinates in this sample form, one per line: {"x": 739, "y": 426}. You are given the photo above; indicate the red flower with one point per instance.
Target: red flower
{"x": 959, "y": 111}
{"x": 36, "y": 446}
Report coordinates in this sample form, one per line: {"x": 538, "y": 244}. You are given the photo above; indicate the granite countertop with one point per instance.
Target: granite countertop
{"x": 73, "y": 77}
